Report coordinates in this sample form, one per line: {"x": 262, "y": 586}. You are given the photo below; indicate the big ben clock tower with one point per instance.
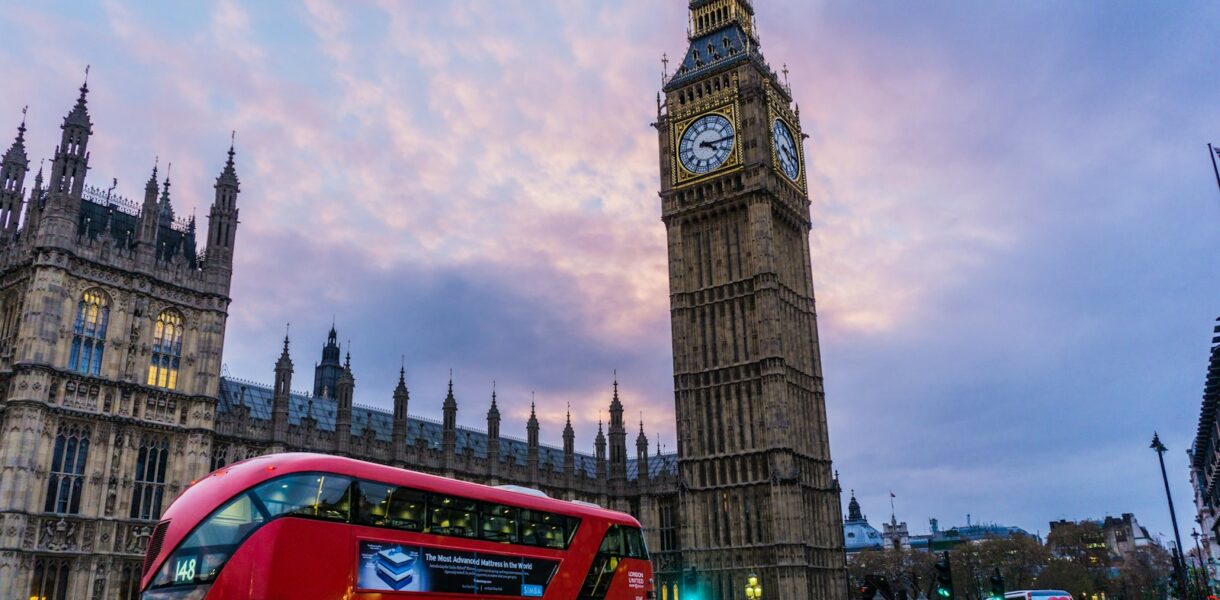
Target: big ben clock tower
{"x": 758, "y": 492}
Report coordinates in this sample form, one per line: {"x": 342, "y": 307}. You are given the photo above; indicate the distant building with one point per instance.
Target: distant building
{"x": 1118, "y": 536}
{"x": 973, "y": 532}
{"x": 1205, "y": 456}
{"x": 1124, "y": 534}
{"x": 858, "y": 535}
{"x": 896, "y": 534}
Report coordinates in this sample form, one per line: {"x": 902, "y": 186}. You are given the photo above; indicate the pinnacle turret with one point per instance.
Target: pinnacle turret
{"x": 79, "y": 115}
{"x": 12, "y": 180}
{"x": 165, "y": 209}
{"x": 228, "y": 176}
{"x": 16, "y": 152}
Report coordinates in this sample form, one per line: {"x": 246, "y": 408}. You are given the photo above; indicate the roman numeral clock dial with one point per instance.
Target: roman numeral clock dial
{"x": 706, "y": 144}
{"x": 785, "y": 150}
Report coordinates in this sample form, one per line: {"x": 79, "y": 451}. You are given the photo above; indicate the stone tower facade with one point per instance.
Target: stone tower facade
{"x": 758, "y": 493}
{"x": 111, "y": 330}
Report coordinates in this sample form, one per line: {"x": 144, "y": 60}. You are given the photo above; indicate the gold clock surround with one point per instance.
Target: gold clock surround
{"x": 684, "y": 176}
{"x": 777, "y": 108}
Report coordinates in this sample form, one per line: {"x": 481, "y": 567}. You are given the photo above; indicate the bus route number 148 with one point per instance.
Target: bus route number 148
{"x": 184, "y": 571}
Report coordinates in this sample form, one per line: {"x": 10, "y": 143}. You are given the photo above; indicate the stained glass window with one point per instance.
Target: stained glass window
{"x": 67, "y": 475}
{"x": 149, "y": 486}
{"x": 166, "y": 350}
{"x": 89, "y": 333}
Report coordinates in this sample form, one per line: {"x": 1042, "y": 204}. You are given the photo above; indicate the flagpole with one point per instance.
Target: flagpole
{"x": 1212, "y": 152}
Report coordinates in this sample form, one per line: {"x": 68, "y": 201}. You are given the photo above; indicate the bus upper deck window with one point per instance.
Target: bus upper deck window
{"x": 372, "y": 502}
{"x": 499, "y": 523}
{"x": 612, "y": 544}
{"x": 314, "y": 495}
{"x": 450, "y": 515}
{"x": 633, "y": 543}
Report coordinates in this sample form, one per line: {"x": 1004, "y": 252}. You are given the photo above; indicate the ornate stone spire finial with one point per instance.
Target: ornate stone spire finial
{"x": 229, "y": 174}
{"x": 84, "y": 86}
{"x": 21, "y": 127}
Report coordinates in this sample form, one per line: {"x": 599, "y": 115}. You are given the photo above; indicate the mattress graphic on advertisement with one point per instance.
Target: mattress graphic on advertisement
{"x": 395, "y": 567}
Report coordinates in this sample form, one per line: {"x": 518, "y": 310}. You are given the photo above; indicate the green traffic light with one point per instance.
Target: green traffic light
{"x": 944, "y": 593}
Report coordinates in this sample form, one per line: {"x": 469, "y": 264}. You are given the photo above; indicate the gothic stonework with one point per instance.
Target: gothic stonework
{"x": 753, "y": 453}
{"x": 111, "y": 335}
{"x": 111, "y": 323}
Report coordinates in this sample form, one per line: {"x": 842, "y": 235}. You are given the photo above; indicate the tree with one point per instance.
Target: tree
{"x": 1019, "y": 559}
{"x": 1142, "y": 574}
{"x": 905, "y": 569}
{"x": 1082, "y": 544}
{"x": 1069, "y": 575}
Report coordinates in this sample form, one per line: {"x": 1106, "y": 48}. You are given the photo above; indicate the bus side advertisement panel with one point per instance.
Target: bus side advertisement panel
{"x": 396, "y": 567}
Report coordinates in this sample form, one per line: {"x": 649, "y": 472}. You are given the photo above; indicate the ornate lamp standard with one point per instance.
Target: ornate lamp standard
{"x": 753, "y": 588}
{"x": 1179, "y": 563}
{"x": 1204, "y": 575}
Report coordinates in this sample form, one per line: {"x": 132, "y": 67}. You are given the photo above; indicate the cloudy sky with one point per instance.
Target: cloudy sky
{"x": 1014, "y": 214}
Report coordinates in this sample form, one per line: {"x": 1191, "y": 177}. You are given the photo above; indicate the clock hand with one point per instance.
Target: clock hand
{"x": 712, "y": 143}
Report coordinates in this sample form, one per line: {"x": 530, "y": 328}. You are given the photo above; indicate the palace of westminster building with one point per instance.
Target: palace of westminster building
{"x": 112, "y": 324}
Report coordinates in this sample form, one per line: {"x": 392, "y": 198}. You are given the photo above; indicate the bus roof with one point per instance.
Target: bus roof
{"x": 226, "y": 482}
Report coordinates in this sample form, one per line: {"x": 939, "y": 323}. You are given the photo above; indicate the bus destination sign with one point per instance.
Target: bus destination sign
{"x": 388, "y": 566}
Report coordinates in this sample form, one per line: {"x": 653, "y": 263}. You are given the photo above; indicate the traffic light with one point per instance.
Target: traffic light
{"x": 868, "y": 589}
{"x": 690, "y": 585}
{"x": 883, "y": 588}
{"x": 997, "y": 584}
{"x": 942, "y": 579}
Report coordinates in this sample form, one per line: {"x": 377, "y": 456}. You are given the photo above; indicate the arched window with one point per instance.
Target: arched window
{"x": 50, "y": 579}
{"x": 220, "y": 456}
{"x": 129, "y": 582}
{"x": 89, "y": 333}
{"x": 166, "y": 350}
{"x": 149, "y": 487}
{"x": 68, "y": 469}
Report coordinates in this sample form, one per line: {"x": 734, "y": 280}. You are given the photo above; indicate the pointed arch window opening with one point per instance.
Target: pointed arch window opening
{"x": 89, "y": 333}
{"x": 50, "y": 579}
{"x": 149, "y": 489}
{"x": 67, "y": 477}
{"x": 166, "y": 350}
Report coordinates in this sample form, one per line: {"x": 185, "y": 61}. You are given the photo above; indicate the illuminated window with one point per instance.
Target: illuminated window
{"x": 67, "y": 469}
{"x": 166, "y": 350}
{"x": 50, "y": 580}
{"x": 149, "y": 486}
{"x": 89, "y": 333}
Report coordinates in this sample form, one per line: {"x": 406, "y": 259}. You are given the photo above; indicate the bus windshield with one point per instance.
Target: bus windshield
{"x": 201, "y": 555}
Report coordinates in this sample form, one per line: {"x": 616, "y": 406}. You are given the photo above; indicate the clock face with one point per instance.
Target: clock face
{"x": 706, "y": 144}
{"x": 785, "y": 150}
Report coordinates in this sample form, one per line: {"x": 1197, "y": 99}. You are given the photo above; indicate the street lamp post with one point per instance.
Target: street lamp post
{"x": 1204, "y": 576}
{"x": 753, "y": 588}
{"x": 1173, "y": 516}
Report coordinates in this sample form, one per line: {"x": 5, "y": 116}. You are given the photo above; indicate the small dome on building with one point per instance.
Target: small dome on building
{"x": 857, "y": 533}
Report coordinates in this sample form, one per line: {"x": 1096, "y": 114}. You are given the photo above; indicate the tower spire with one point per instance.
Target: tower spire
{"x": 21, "y": 127}
{"x": 13, "y": 168}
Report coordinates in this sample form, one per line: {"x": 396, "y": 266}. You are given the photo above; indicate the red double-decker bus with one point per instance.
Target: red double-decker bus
{"x": 306, "y": 526}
